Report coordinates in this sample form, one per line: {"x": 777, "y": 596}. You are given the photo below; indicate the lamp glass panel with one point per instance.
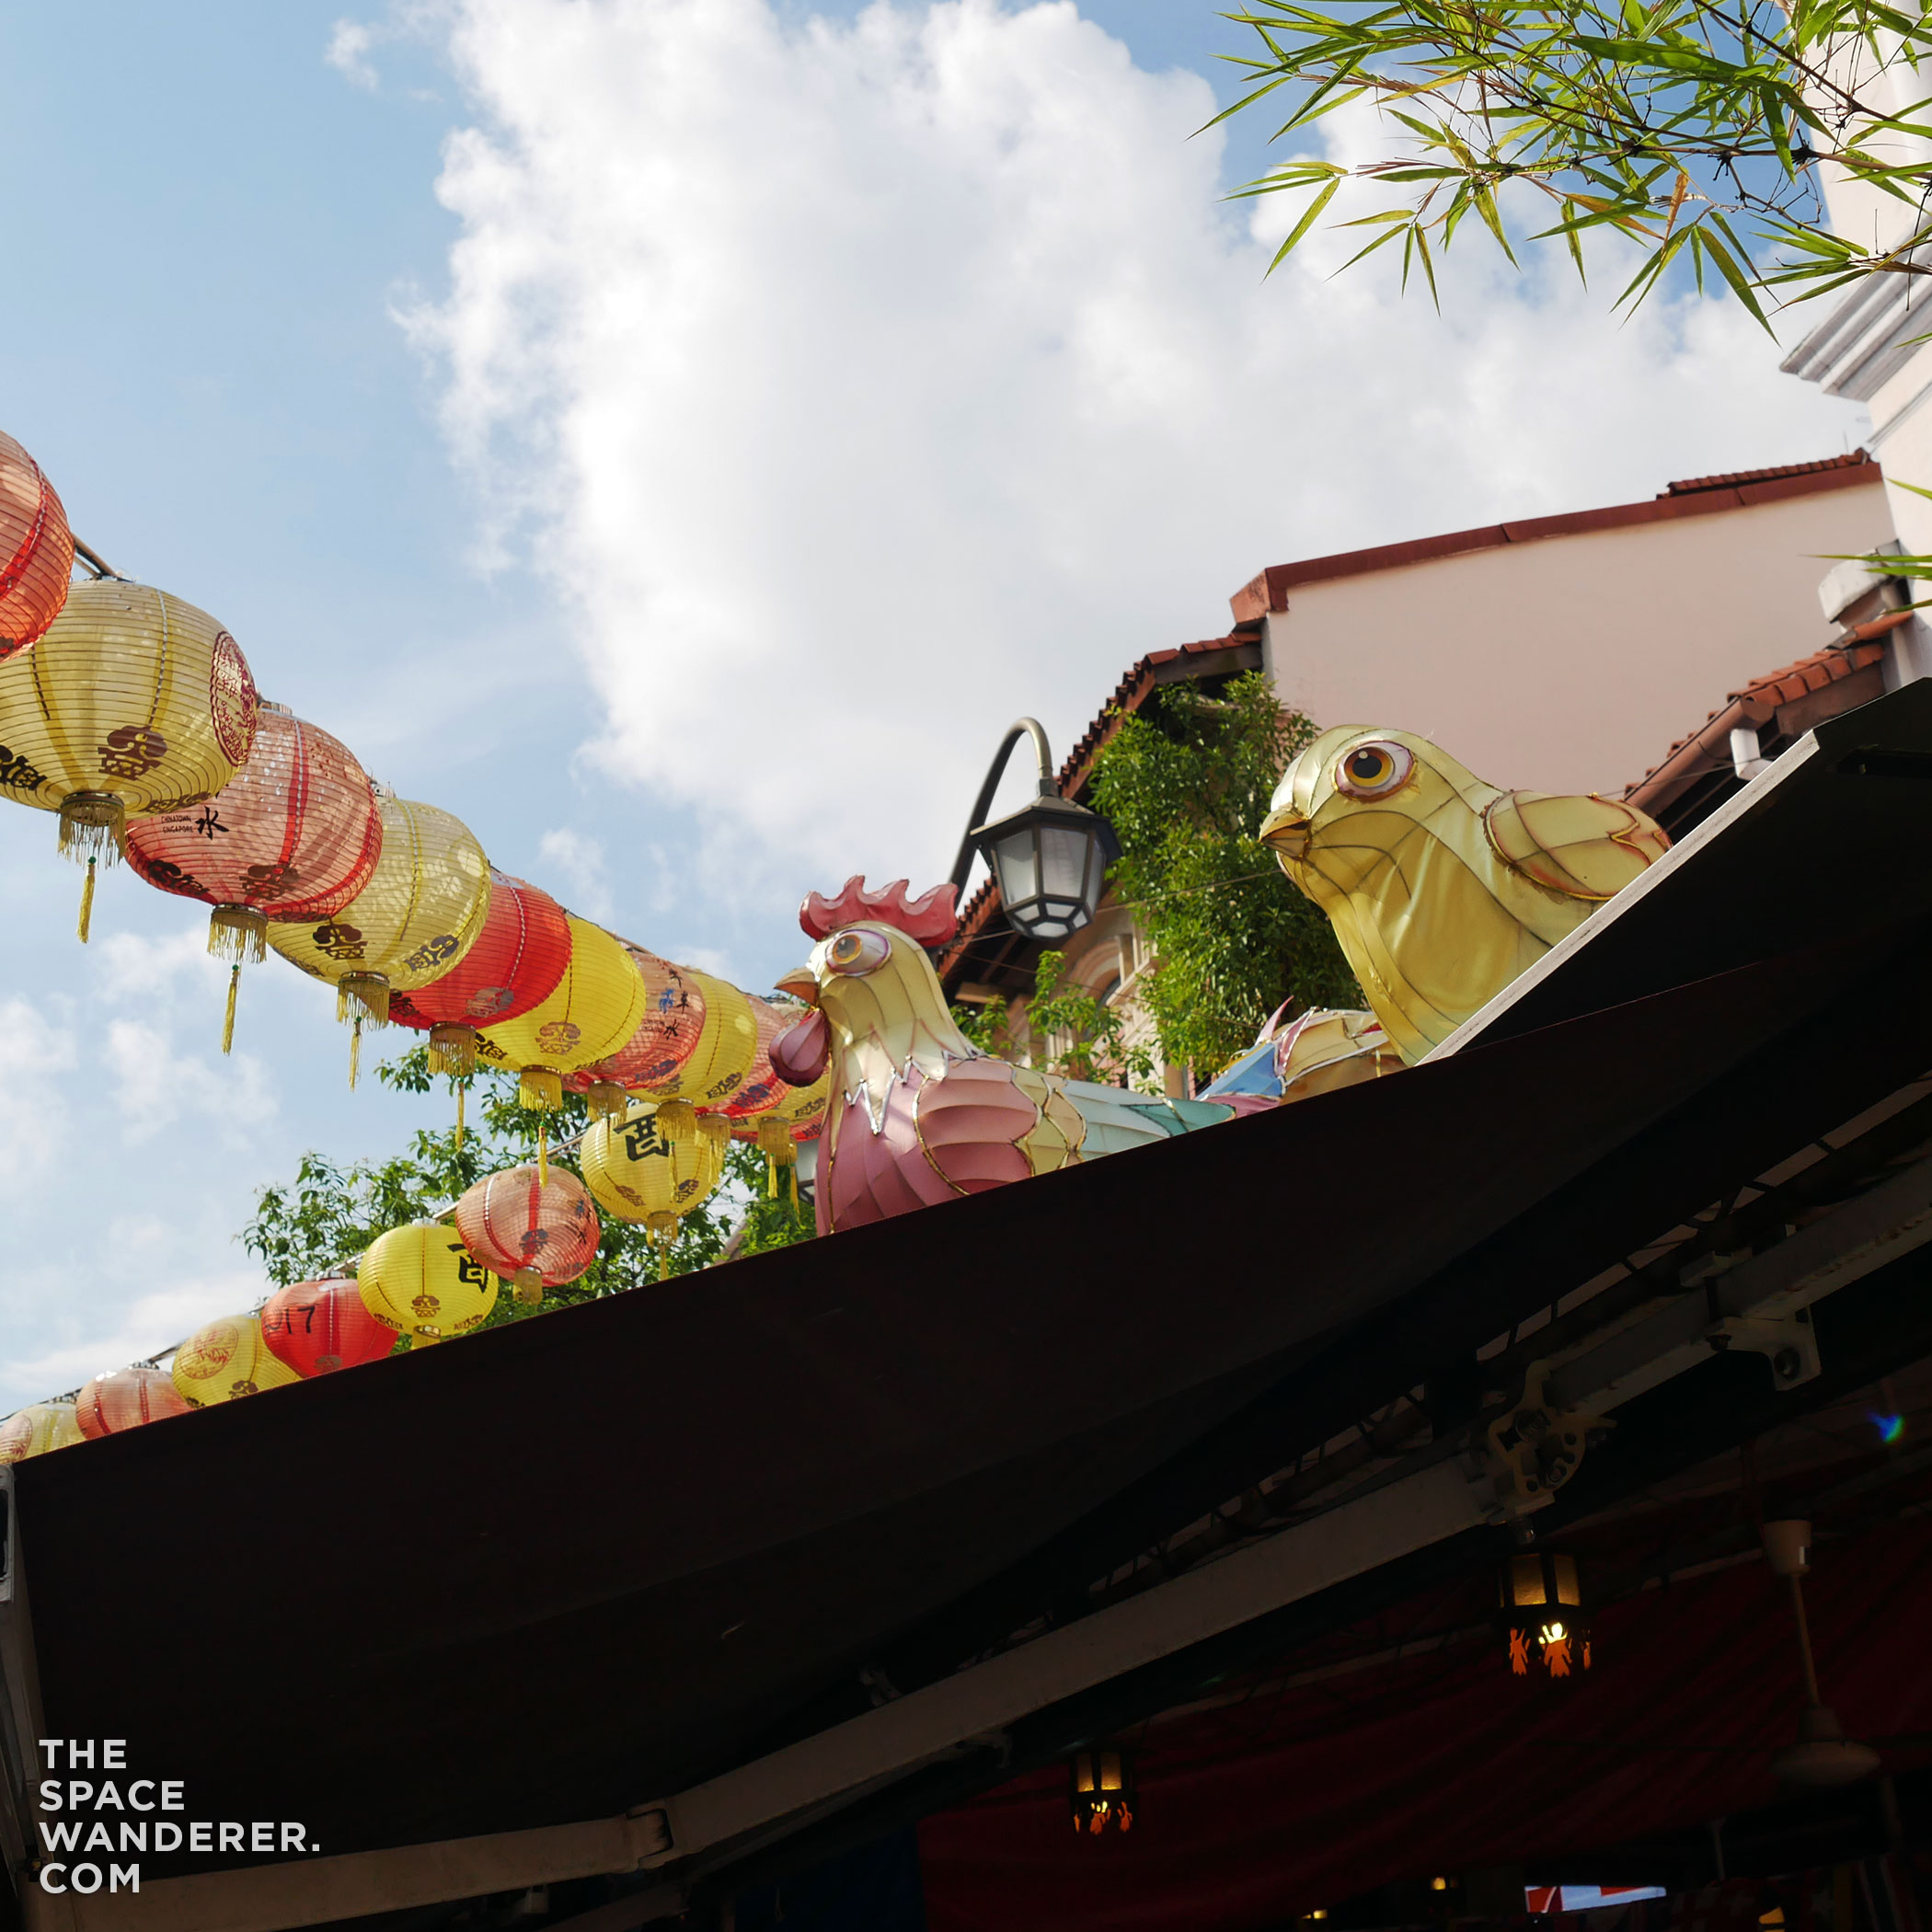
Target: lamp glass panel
{"x": 1526, "y": 1580}
{"x": 1566, "y": 1569}
{"x": 1015, "y": 861}
{"x": 1062, "y": 861}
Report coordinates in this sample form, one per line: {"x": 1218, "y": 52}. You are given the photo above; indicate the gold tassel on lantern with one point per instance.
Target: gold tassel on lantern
{"x": 775, "y": 1143}
{"x": 453, "y": 1050}
{"x": 362, "y": 995}
{"x": 605, "y": 1099}
{"x": 543, "y": 1150}
{"x": 663, "y": 1229}
{"x": 715, "y": 1128}
{"x": 87, "y": 911}
{"x": 462, "y": 1089}
{"x": 529, "y": 1286}
{"x": 238, "y": 932}
{"x": 677, "y": 1120}
{"x": 93, "y": 825}
{"x": 356, "y": 1052}
{"x": 228, "y": 1019}
{"x": 540, "y": 1089}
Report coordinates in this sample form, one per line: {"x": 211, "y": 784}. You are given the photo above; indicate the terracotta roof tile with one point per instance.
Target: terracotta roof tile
{"x": 1730, "y": 479}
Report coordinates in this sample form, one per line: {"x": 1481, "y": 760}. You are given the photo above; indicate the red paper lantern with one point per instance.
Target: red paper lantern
{"x": 763, "y": 1089}
{"x": 536, "y": 1229}
{"x": 317, "y": 1327}
{"x": 673, "y": 1017}
{"x": 36, "y": 550}
{"x": 125, "y": 1398}
{"x": 293, "y": 836}
{"x": 514, "y": 966}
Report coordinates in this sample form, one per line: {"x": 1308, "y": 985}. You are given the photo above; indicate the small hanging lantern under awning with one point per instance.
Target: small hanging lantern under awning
{"x": 1544, "y": 1617}
{"x": 1101, "y": 1789}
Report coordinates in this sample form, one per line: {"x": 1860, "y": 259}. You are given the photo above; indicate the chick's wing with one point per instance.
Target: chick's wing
{"x": 1579, "y": 844}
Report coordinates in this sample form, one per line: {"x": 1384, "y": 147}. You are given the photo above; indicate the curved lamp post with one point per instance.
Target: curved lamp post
{"x": 1050, "y": 858}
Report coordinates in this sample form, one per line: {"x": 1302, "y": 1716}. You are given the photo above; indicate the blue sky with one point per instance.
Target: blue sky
{"x": 676, "y": 437}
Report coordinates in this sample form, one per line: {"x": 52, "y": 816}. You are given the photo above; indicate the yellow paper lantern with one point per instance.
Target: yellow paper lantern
{"x": 38, "y": 1428}
{"x": 591, "y": 1012}
{"x": 637, "y": 1174}
{"x": 133, "y": 703}
{"x": 424, "y": 1282}
{"x": 726, "y": 1047}
{"x": 226, "y": 1358}
{"x": 421, "y": 912}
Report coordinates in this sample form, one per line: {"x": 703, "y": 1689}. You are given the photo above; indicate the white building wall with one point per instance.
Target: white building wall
{"x": 1571, "y": 663}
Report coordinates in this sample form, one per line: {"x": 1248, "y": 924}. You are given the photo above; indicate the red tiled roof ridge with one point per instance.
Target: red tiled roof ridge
{"x": 1764, "y": 694}
{"x": 1268, "y": 592}
{"x": 1727, "y": 479}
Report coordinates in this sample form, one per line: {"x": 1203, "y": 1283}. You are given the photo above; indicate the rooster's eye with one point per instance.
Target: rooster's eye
{"x": 856, "y": 951}
{"x": 1374, "y": 770}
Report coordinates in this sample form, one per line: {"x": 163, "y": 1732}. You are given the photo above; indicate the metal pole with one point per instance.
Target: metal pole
{"x": 963, "y": 865}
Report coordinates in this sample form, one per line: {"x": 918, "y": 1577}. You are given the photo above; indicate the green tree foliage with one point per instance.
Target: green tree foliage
{"x": 1068, "y": 1031}
{"x": 1691, "y": 128}
{"x": 332, "y": 1212}
{"x": 1187, "y": 782}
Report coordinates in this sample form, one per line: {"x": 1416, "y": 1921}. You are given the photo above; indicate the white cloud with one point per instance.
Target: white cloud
{"x": 583, "y": 878}
{"x": 347, "y": 53}
{"x": 861, "y": 384}
{"x": 139, "y": 1327}
{"x": 34, "y": 1124}
{"x": 156, "y": 1088}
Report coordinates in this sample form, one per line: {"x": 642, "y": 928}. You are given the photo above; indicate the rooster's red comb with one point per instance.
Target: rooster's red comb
{"x": 931, "y": 918}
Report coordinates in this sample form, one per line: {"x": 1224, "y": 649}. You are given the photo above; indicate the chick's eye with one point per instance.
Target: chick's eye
{"x": 1372, "y": 771}
{"x": 855, "y": 952}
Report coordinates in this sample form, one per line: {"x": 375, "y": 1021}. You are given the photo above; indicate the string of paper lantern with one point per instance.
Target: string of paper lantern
{"x": 133, "y": 716}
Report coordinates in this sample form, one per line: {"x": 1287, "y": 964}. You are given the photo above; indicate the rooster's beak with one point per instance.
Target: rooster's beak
{"x": 1286, "y": 831}
{"x": 801, "y": 984}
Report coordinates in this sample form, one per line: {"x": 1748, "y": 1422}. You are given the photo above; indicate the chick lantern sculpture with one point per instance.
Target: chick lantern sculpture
{"x": 1442, "y": 889}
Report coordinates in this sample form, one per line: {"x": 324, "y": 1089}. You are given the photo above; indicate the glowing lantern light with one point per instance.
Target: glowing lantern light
{"x": 416, "y": 919}
{"x": 1101, "y": 1789}
{"x": 422, "y": 1282}
{"x": 226, "y": 1358}
{"x": 133, "y": 703}
{"x": 293, "y": 836}
{"x": 639, "y": 1175}
{"x": 594, "y": 1010}
{"x": 535, "y": 1231}
{"x": 673, "y": 1019}
{"x": 722, "y": 1055}
{"x": 1544, "y": 1617}
{"x": 36, "y": 550}
{"x": 519, "y": 955}
{"x": 317, "y": 1327}
{"x": 125, "y": 1398}
{"x": 36, "y": 1429}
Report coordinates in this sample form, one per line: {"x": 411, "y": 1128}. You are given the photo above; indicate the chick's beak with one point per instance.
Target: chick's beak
{"x": 1286, "y": 832}
{"x": 801, "y": 984}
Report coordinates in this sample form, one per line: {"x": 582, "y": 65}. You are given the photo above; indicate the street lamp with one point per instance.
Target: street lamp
{"x": 1050, "y": 859}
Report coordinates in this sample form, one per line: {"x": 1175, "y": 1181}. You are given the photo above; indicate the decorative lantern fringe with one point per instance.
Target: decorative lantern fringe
{"x": 93, "y": 825}
{"x": 228, "y": 1019}
{"x": 663, "y": 1229}
{"x": 677, "y": 1120}
{"x": 715, "y": 1128}
{"x": 540, "y": 1089}
{"x": 605, "y": 1099}
{"x": 362, "y": 995}
{"x": 453, "y": 1050}
{"x": 238, "y": 932}
{"x": 529, "y": 1286}
{"x": 87, "y": 911}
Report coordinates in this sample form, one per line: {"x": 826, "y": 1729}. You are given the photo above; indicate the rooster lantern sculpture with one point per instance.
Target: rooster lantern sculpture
{"x": 919, "y": 1113}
